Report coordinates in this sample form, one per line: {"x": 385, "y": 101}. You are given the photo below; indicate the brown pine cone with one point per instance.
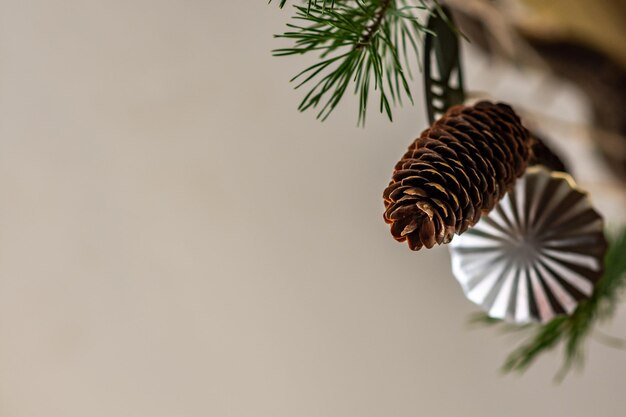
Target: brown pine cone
{"x": 458, "y": 169}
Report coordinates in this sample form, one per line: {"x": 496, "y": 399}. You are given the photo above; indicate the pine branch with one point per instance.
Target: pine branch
{"x": 362, "y": 45}
{"x": 375, "y": 25}
{"x": 571, "y": 331}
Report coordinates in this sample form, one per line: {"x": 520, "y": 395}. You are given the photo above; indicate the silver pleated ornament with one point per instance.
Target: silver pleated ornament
{"x": 536, "y": 255}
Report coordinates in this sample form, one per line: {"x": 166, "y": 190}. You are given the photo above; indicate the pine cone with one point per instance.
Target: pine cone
{"x": 454, "y": 172}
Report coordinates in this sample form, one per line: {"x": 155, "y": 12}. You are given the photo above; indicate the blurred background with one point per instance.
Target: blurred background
{"x": 177, "y": 240}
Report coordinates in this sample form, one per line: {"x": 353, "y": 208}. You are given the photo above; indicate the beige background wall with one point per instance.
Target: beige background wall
{"x": 177, "y": 240}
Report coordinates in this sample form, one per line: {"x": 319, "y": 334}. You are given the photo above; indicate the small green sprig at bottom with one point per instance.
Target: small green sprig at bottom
{"x": 570, "y": 331}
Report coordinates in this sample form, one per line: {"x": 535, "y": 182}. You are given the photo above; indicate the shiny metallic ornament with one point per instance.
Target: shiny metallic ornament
{"x": 537, "y": 254}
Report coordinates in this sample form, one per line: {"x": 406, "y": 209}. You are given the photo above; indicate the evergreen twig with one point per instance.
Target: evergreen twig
{"x": 362, "y": 45}
{"x": 571, "y": 331}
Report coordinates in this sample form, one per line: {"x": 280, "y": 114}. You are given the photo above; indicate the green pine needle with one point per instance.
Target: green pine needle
{"x": 362, "y": 45}
{"x": 572, "y": 331}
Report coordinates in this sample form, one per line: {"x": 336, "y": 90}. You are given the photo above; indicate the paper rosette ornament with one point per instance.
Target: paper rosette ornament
{"x": 537, "y": 254}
